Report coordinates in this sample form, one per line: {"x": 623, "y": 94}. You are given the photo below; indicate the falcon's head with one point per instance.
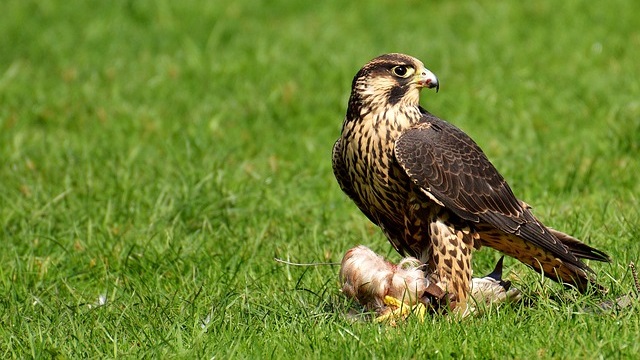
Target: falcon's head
{"x": 389, "y": 80}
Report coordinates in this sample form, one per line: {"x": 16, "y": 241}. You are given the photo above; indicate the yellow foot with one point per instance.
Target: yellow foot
{"x": 398, "y": 310}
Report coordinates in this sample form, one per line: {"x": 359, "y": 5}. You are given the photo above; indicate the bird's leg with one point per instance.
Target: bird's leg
{"x": 449, "y": 261}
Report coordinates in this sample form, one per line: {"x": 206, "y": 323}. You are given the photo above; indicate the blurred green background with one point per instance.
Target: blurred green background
{"x": 156, "y": 156}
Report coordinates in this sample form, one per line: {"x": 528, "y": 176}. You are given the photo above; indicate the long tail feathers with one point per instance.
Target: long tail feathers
{"x": 583, "y": 251}
{"x": 580, "y": 249}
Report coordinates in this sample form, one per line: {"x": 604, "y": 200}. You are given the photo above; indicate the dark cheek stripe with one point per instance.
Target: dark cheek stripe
{"x": 396, "y": 94}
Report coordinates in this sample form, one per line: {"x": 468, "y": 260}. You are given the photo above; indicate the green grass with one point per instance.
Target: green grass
{"x": 160, "y": 154}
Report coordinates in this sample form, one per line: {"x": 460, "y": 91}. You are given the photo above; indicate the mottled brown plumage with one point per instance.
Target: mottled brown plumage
{"x": 432, "y": 190}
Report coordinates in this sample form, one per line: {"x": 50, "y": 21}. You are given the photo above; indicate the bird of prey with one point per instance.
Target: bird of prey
{"x": 432, "y": 190}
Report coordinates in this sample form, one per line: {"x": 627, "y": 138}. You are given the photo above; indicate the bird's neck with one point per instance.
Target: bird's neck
{"x": 369, "y": 97}
{"x": 376, "y": 110}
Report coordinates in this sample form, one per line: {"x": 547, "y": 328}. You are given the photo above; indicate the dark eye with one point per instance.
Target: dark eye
{"x": 402, "y": 71}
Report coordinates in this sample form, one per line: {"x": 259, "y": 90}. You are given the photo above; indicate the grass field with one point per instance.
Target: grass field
{"x": 156, "y": 156}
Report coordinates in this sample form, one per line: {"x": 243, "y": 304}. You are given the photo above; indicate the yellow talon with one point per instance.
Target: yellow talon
{"x": 391, "y": 301}
{"x": 399, "y": 310}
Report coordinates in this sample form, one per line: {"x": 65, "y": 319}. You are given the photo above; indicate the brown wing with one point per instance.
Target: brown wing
{"x": 451, "y": 167}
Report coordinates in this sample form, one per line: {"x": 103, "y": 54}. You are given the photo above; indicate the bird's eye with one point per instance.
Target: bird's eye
{"x": 402, "y": 71}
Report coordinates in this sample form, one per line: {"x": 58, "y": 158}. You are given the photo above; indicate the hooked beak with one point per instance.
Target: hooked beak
{"x": 426, "y": 78}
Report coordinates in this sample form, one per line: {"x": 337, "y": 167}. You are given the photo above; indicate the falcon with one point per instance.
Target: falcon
{"x": 432, "y": 190}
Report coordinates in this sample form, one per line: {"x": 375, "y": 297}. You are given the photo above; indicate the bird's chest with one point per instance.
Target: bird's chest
{"x": 378, "y": 180}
